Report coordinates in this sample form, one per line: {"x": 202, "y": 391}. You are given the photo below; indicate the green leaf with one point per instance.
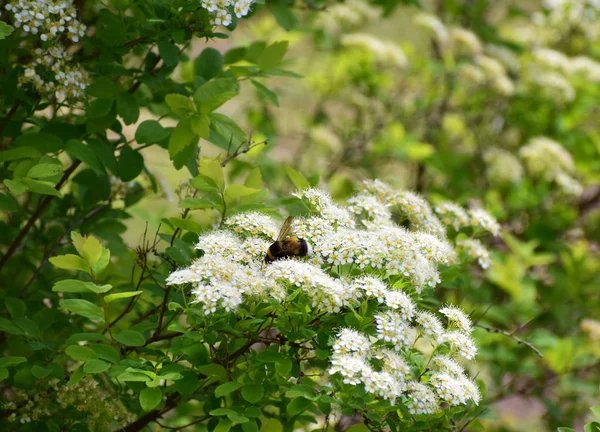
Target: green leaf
{"x": 112, "y": 297}
{"x": 269, "y": 94}
{"x": 224, "y": 425}
{"x": 297, "y": 406}
{"x": 15, "y": 187}
{"x": 16, "y": 307}
{"x": 130, "y": 164}
{"x": 254, "y": 179}
{"x": 7, "y": 326}
{"x": 180, "y": 104}
{"x": 213, "y": 370}
{"x": 186, "y": 224}
{"x": 298, "y": 179}
{"x": 127, "y": 108}
{"x": 3, "y": 374}
{"x": 225, "y": 389}
{"x": 284, "y": 16}
{"x": 212, "y": 169}
{"x": 70, "y": 262}
{"x": 181, "y": 137}
{"x": 81, "y": 353}
{"x": 134, "y": 377}
{"x": 41, "y": 141}
{"x": 168, "y": 52}
{"x": 130, "y": 338}
{"x": 224, "y": 132}
{"x": 209, "y": 63}
{"x": 222, "y": 412}
{"x": 150, "y": 398}
{"x": 83, "y": 308}
{"x": 215, "y": 93}
{"x": 196, "y": 203}
{"x": 76, "y": 377}
{"x": 95, "y": 366}
{"x": 5, "y": 30}
{"x": 102, "y": 262}
{"x": 88, "y": 247}
{"x": 200, "y": 125}
{"x": 19, "y": 153}
{"x": 150, "y": 132}
{"x": 253, "y": 392}
{"x": 40, "y": 372}
{"x": 41, "y": 187}
{"x": 78, "y": 337}
{"x": 11, "y": 361}
{"x": 77, "y": 150}
{"x": 596, "y": 411}
{"x": 273, "y": 54}
{"x": 99, "y": 108}
{"x": 103, "y": 88}
{"x": 251, "y": 426}
{"x": 106, "y": 352}
{"x": 77, "y": 286}
{"x": 8, "y": 203}
{"x": 592, "y": 427}
{"x": 45, "y": 170}
{"x": 235, "y": 191}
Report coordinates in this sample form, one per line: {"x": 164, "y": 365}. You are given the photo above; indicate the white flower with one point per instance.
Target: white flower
{"x": 546, "y": 158}
{"x": 351, "y": 367}
{"x": 253, "y": 223}
{"x": 433, "y": 25}
{"x": 502, "y": 166}
{"x": 350, "y": 341}
{"x": 430, "y": 326}
{"x": 398, "y": 300}
{"x": 464, "y": 42}
{"x": 462, "y": 344}
{"x": 457, "y": 317}
{"x": 452, "y": 214}
{"x": 483, "y": 220}
{"x": 391, "y": 327}
{"x": 447, "y": 364}
{"x": 421, "y": 399}
{"x": 475, "y": 250}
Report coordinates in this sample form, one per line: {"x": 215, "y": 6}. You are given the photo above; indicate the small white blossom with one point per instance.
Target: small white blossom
{"x": 475, "y": 250}
{"x": 462, "y": 344}
{"x": 481, "y": 219}
{"x": 421, "y": 399}
{"x": 457, "y": 317}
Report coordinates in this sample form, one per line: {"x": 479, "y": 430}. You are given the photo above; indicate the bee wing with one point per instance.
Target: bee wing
{"x": 285, "y": 229}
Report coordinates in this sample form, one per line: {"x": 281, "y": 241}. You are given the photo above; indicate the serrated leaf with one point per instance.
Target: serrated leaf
{"x": 211, "y": 169}
{"x": 180, "y": 104}
{"x": 83, "y": 308}
{"x": 112, "y": 297}
{"x": 5, "y": 30}
{"x": 215, "y": 93}
{"x": 182, "y": 137}
{"x": 88, "y": 247}
{"x": 200, "y": 125}
{"x": 70, "y": 262}
{"x": 273, "y": 55}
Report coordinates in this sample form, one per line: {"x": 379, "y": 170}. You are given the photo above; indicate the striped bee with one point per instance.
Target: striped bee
{"x": 285, "y": 246}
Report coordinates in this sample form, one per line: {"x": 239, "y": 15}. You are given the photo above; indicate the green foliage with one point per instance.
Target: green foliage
{"x": 93, "y": 337}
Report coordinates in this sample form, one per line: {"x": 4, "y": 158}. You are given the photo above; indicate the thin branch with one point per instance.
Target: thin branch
{"x": 241, "y": 150}
{"x": 35, "y": 216}
{"x": 201, "y": 419}
{"x": 510, "y": 335}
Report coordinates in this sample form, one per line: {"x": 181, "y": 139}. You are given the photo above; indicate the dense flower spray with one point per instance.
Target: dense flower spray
{"x": 360, "y": 254}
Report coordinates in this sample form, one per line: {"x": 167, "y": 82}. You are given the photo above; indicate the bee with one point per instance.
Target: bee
{"x": 285, "y": 246}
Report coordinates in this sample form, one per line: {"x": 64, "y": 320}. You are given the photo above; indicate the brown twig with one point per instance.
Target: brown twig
{"x": 244, "y": 147}
{"x": 510, "y": 335}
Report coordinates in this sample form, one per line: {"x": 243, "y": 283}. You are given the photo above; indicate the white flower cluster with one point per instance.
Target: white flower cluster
{"x": 502, "y": 167}
{"x": 454, "y": 215}
{"x": 223, "y": 9}
{"x": 381, "y": 364}
{"x": 52, "y": 72}
{"x": 48, "y": 18}
{"x": 253, "y": 223}
{"x": 549, "y": 160}
{"x": 384, "y": 51}
{"x": 343, "y": 16}
{"x": 476, "y": 251}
